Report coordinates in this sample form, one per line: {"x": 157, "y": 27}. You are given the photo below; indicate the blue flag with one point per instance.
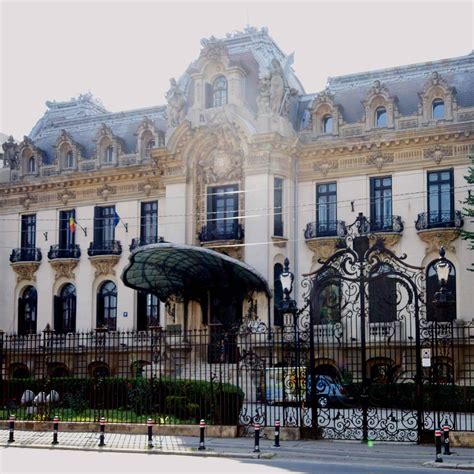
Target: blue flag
{"x": 116, "y": 219}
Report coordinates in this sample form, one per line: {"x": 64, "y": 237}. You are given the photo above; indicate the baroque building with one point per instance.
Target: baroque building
{"x": 242, "y": 160}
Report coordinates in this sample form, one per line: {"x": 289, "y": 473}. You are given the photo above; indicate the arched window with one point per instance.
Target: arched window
{"x": 326, "y": 298}
{"x": 437, "y": 109}
{"x": 432, "y": 286}
{"x": 219, "y": 92}
{"x": 69, "y": 161}
{"x": 277, "y": 294}
{"x": 148, "y": 310}
{"x": 65, "y": 310}
{"x": 161, "y": 139}
{"x": 109, "y": 154}
{"x": 32, "y": 165}
{"x": 327, "y": 124}
{"x": 382, "y": 295}
{"x": 380, "y": 117}
{"x": 27, "y": 311}
{"x": 107, "y": 306}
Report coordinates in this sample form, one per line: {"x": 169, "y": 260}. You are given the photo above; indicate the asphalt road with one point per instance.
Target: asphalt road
{"x": 43, "y": 460}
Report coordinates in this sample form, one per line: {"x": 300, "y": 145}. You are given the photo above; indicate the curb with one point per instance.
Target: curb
{"x": 450, "y": 465}
{"x": 188, "y": 452}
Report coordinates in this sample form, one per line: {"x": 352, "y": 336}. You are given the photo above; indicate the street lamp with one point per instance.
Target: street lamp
{"x": 442, "y": 300}
{"x": 288, "y": 305}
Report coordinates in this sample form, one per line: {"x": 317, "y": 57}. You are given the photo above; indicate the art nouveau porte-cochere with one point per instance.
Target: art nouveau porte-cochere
{"x": 144, "y": 252}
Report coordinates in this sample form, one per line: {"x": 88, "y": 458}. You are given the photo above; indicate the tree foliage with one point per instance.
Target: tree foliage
{"x": 468, "y": 209}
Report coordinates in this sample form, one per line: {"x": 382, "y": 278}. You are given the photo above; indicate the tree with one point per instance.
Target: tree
{"x": 469, "y": 209}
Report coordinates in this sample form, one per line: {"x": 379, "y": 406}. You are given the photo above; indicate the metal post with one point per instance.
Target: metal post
{"x": 277, "y": 434}
{"x": 149, "y": 425}
{"x": 11, "y": 428}
{"x": 447, "y": 451}
{"x": 439, "y": 458}
{"x": 202, "y": 427}
{"x": 103, "y": 421}
{"x": 55, "y": 430}
{"x": 256, "y": 448}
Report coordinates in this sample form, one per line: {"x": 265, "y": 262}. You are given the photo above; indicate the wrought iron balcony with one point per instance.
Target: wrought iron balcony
{"x": 221, "y": 231}
{"x": 325, "y": 229}
{"x": 439, "y": 220}
{"x": 26, "y": 254}
{"x": 111, "y": 247}
{"x": 387, "y": 224}
{"x": 140, "y": 242}
{"x": 72, "y": 251}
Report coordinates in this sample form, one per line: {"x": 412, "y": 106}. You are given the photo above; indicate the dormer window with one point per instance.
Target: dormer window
{"x": 380, "y": 117}
{"x": 219, "y": 92}
{"x": 69, "y": 159}
{"x": 327, "y": 124}
{"x": 32, "y": 165}
{"x": 109, "y": 154}
{"x": 161, "y": 139}
{"x": 150, "y": 144}
{"x": 437, "y": 109}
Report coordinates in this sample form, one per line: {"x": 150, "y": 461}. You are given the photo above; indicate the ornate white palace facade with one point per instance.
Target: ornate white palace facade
{"x": 240, "y": 160}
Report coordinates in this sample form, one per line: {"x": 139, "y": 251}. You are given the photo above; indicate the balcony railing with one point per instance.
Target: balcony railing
{"x": 210, "y": 233}
{"x": 140, "y": 242}
{"x": 387, "y": 224}
{"x": 111, "y": 247}
{"x": 72, "y": 251}
{"x": 437, "y": 220}
{"x": 25, "y": 255}
{"x": 325, "y": 229}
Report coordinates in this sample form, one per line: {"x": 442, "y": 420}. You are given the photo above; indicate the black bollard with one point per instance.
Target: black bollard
{"x": 256, "y": 448}
{"x": 438, "y": 446}
{"x": 11, "y": 428}
{"x": 277, "y": 434}
{"x": 202, "y": 427}
{"x": 55, "y": 430}
{"x": 103, "y": 421}
{"x": 149, "y": 425}
{"x": 447, "y": 451}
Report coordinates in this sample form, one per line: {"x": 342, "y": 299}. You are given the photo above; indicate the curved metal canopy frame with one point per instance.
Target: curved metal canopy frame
{"x": 175, "y": 271}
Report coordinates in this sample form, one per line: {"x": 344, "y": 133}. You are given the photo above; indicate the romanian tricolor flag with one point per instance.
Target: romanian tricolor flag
{"x": 72, "y": 224}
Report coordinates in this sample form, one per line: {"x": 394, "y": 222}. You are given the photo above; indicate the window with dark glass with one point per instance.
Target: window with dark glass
{"x": 149, "y": 223}
{"x": 67, "y": 237}
{"x": 432, "y": 286}
{"x": 27, "y": 311}
{"x": 150, "y": 145}
{"x": 109, "y": 154}
{"x": 107, "y": 306}
{"x": 381, "y": 203}
{"x": 277, "y": 294}
{"x": 104, "y": 227}
{"x": 440, "y": 198}
{"x": 32, "y": 165}
{"x": 69, "y": 159}
{"x": 381, "y": 117}
{"x": 327, "y": 124}
{"x": 326, "y": 298}
{"x": 278, "y": 207}
{"x": 437, "y": 109}
{"x": 326, "y": 209}
{"x": 222, "y": 211}
{"x": 148, "y": 310}
{"x": 219, "y": 92}
{"x": 28, "y": 236}
{"x": 65, "y": 309}
{"x": 382, "y": 295}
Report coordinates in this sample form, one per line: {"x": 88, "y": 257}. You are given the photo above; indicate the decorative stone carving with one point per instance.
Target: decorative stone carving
{"x": 25, "y": 270}
{"x": 10, "y": 149}
{"x": 322, "y": 247}
{"x": 277, "y": 88}
{"x": 150, "y": 185}
{"x": 64, "y": 267}
{"x": 325, "y": 166}
{"x": 390, "y": 239}
{"x": 263, "y": 99}
{"x": 104, "y": 265}
{"x": 105, "y": 191}
{"x": 28, "y": 200}
{"x": 65, "y": 196}
{"x": 213, "y": 50}
{"x": 379, "y": 159}
{"x": 437, "y": 238}
{"x": 437, "y": 153}
{"x": 176, "y": 102}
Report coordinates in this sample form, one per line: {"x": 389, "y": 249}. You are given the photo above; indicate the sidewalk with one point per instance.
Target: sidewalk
{"x": 400, "y": 454}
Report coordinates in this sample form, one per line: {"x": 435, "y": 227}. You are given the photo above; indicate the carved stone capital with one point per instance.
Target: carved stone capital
{"x": 25, "y": 270}
{"x": 436, "y": 238}
{"x": 322, "y": 247}
{"x": 279, "y": 241}
{"x": 64, "y": 267}
{"x": 104, "y": 264}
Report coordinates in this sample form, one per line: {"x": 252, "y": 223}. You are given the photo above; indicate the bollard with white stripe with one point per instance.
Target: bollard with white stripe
{"x": 439, "y": 457}
{"x": 149, "y": 425}
{"x": 202, "y": 427}
{"x": 11, "y": 428}
{"x": 447, "y": 450}
{"x": 277, "y": 434}
{"x": 103, "y": 421}
{"x": 55, "y": 430}
{"x": 256, "y": 448}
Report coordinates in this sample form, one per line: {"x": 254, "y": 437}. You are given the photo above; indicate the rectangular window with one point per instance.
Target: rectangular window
{"x": 28, "y": 231}
{"x": 278, "y": 207}
{"x": 67, "y": 238}
{"x": 440, "y": 199}
{"x": 104, "y": 227}
{"x": 381, "y": 204}
{"x": 222, "y": 212}
{"x": 326, "y": 209}
{"x": 149, "y": 223}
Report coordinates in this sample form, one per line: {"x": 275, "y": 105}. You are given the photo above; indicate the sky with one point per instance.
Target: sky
{"x": 125, "y": 52}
